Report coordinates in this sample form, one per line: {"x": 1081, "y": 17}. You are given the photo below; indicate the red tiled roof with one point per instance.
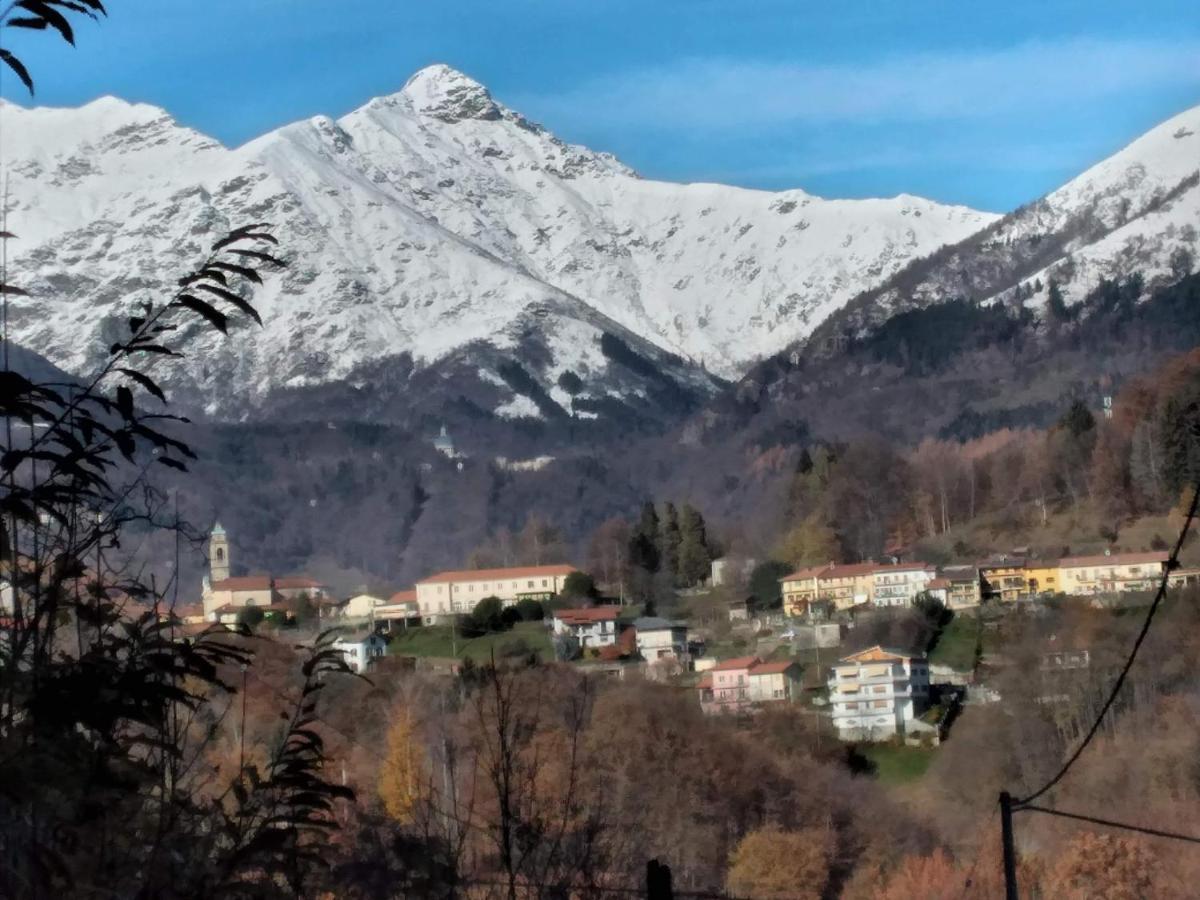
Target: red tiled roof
{"x": 738, "y": 662}
{"x": 705, "y": 683}
{"x": 626, "y": 645}
{"x": 876, "y": 654}
{"x": 409, "y": 596}
{"x": 586, "y": 616}
{"x": 243, "y": 583}
{"x": 497, "y": 574}
{"x": 293, "y": 582}
{"x": 1116, "y": 559}
{"x": 943, "y": 583}
{"x": 771, "y": 668}
{"x": 852, "y": 570}
{"x": 801, "y": 574}
{"x": 902, "y": 567}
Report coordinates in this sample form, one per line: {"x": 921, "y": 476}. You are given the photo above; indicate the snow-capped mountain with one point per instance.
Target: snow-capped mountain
{"x": 420, "y": 224}
{"x": 1136, "y": 211}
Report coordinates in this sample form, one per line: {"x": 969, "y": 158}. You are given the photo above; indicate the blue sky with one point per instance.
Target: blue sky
{"x": 988, "y": 104}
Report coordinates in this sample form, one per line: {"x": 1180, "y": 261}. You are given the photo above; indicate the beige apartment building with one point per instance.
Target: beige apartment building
{"x": 840, "y": 586}
{"x": 1112, "y": 573}
{"x": 457, "y": 592}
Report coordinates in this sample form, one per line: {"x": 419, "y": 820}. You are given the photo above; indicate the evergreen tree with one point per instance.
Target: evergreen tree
{"x": 643, "y": 543}
{"x": 695, "y": 562}
{"x": 669, "y": 540}
{"x": 1056, "y": 307}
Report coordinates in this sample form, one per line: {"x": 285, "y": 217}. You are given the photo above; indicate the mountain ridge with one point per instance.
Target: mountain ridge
{"x": 419, "y": 223}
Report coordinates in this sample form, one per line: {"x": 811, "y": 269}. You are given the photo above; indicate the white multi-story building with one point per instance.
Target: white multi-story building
{"x": 876, "y": 692}
{"x": 361, "y": 650}
{"x": 594, "y": 627}
{"x": 457, "y": 593}
{"x": 899, "y": 583}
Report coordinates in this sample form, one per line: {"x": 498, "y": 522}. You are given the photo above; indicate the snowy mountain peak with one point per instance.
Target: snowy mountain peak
{"x": 449, "y": 95}
{"x": 429, "y": 224}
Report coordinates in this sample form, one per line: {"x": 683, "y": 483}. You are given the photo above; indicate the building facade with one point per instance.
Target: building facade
{"x": 1112, "y": 573}
{"x": 457, "y": 592}
{"x": 735, "y": 685}
{"x": 594, "y": 627}
{"x": 361, "y": 650}
{"x": 899, "y": 583}
{"x": 874, "y": 693}
{"x": 660, "y": 639}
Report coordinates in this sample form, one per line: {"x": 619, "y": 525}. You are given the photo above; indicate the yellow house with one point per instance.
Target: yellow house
{"x": 1112, "y": 573}
{"x": 1042, "y": 576}
{"x": 1005, "y": 579}
{"x": 850, "y": 585}
{"x": 799, "y": 590}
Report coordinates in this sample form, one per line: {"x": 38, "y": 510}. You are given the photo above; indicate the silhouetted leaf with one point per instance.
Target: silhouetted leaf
{"x": 19, "y": 67}
{"x": 218, "y": 319}
{"x": 125, "y": 402}
{"x": 145, "y": 381}
{"x": 245, "y": 271}
{"x": 53, "y": 17}
{"x": 239, "y": 302}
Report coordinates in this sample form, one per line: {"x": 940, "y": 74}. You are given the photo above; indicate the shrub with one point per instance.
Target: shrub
{"x": 250, "y": 616}
{"x": 579, "y": 586}
{"x": 530, "y": 610}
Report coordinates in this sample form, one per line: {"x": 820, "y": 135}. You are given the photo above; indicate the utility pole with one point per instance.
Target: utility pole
{"x": 1010, "y": 853}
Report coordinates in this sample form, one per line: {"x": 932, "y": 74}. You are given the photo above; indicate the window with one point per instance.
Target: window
{"x": 851, "y": 706}
{"x": 881, "y": 689}
{"x": 545, "y": 583}
{"x": 879, "y": 704}
{"x": 470, "y": 588}
{"x": 529, "y": 584}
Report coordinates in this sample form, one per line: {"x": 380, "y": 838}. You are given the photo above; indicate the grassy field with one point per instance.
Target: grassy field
{"x": 956, "y": 647}
{"x": 441, "y": 641}
{"x": 897, "y": 764}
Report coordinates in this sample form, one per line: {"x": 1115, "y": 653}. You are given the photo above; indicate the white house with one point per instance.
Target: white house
{"x": 457, "y": 592}
{"x": 899, "y": 583}
{"x": 660, "y": 639}
{"x": 876, "y": 692}
{"x": 360, "y": 649}
{"x": 595, "y": 627}
{"x": 360, "y": 606}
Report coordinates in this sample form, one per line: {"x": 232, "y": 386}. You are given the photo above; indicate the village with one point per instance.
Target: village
{"x": 814, "y": 647}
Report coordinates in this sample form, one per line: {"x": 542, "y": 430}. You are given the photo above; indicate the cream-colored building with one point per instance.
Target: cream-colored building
{"x": 223, "y": 594}
{"x": 360, "y": 606}
{"x": 841, "y": 586}
{"x": 1112, "y": 573}
{"x": 457, "y": 592}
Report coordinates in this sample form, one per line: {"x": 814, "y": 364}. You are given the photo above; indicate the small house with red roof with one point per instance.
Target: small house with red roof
{"x": 592, "y": 627}
{"x": 736, "y": 685}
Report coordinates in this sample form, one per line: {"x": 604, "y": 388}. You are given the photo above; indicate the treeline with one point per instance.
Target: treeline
{"x": 867, "y": 498}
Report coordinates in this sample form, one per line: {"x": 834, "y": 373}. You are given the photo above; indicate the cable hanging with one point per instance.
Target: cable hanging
{"x": 1172, "y": 564}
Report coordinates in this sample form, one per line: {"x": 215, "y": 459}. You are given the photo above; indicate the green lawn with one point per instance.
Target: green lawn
{"x": 956, "y": 647}
{"x": 897, "y": 764}
{"x": 441, "y": 641}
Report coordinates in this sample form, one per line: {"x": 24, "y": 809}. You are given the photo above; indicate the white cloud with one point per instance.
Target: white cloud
{"x": 724, "y": 94}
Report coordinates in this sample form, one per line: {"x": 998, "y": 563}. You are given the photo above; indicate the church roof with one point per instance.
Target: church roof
{"x": 218, "y": 529}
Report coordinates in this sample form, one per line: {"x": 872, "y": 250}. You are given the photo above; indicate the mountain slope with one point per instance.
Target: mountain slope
{"x": 422, "y": 224}
{"x": 1138, "y": 210}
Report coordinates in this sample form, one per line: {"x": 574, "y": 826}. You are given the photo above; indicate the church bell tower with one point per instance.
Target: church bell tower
{"x": 218, "y": 554}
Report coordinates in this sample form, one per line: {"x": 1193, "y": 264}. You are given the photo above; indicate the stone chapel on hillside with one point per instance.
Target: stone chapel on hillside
{"x": 224, "y": 594}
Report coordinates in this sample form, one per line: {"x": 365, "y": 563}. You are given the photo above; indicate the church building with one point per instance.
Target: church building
{"x": 225, "y": 594}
